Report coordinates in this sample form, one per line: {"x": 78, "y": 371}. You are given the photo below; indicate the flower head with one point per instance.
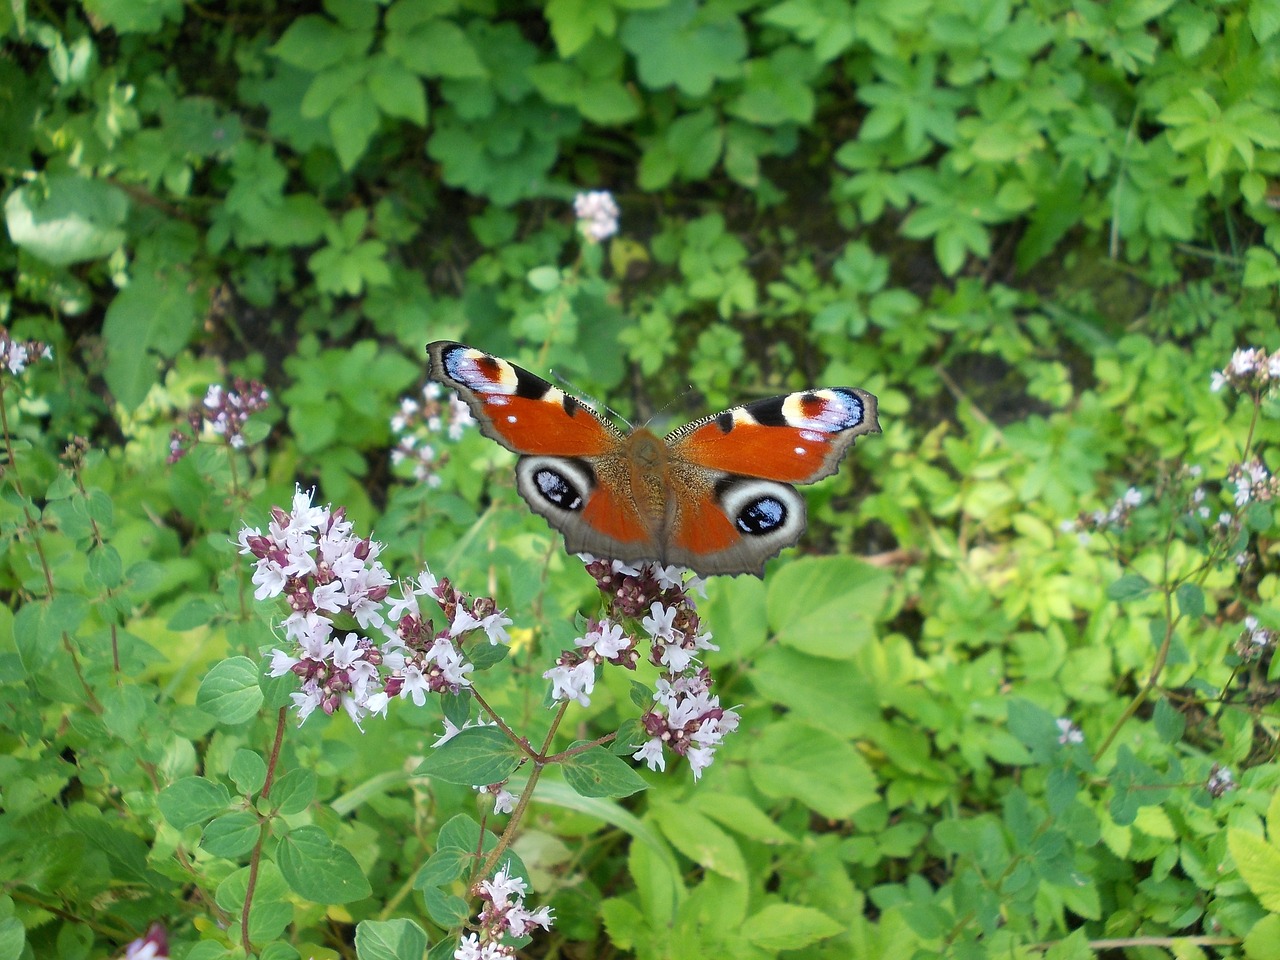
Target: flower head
{"x": 597, "y": 214}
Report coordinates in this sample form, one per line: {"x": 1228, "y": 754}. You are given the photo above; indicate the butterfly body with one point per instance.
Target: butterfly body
{"x": 714, "y": 496}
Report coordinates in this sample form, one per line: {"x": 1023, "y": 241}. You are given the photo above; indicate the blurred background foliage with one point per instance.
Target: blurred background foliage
{"x": 1032, "y": 229}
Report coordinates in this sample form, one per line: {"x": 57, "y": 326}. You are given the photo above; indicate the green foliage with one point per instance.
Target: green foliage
{"x": 1032, "y": 230}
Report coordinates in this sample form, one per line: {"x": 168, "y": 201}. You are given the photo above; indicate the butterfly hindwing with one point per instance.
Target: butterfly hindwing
{"x": 795, "y": 438}
{"x": 521, "y": 411}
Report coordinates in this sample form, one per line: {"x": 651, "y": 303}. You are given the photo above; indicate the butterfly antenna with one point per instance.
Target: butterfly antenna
{"x": 569, "y": 387}
{"x": 679, "y": 398}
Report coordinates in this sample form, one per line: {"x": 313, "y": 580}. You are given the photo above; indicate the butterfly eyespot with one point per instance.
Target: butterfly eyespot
{"x": 761, "y": 516}
{"x": 556, "y": 489}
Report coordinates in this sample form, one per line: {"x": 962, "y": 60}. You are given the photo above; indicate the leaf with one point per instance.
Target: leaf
{"x": 1190, "y": 600}
{"x": 681, "y": 45}
{"x": 699, "y": 839}
{"x": 389, "y": 939}
{"x": 230, "y": 691}
{"x": 231, "y": 836}
{"x": 1129, "y": 587}
{"x": 13, "y": 938}
{"x": 397, "y": 92}
{"x": 1259, "y": 864}
{"x": 826, "y": 606}
{"x": 782, "y": 926}
{"x": 317, "y": 868}
{"x": 1170, "y": 724}
{"x": 192, "y": 800}
{"x": 154, "y": 314}
{"x": 66, "y": 219}
{"x": 352, "y": 123}
{"x": 477, "y": 756}
{"x": 598, "y": 773}
{"x": 314, "y": 42}
{"x": 38, "y": 628}
{"x": 821, "y": 770}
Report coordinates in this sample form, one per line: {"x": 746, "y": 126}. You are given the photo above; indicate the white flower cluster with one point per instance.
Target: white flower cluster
{"x": 1250, "y": 369}
{"x": 503, "y": 913}
{"x": 310, "y": 556}
{"x": 1252, "y": 482}
{"x": 597, "y": 214}
{"x": 15, "y": 355}
{"x": 1068, "y": 732}
{"x": 419, "y": 422}
{"x": 1117, "y": 515}
{"x": 688, "y": 720}
{"x": 225, "y": 412}
{"x": 1220, "y": 781}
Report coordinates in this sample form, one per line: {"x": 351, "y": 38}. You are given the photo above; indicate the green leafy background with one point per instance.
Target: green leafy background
{"x": 1032, "y": 229}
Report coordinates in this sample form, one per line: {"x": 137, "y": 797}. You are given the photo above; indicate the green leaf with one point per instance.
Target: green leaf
{"x": 352, "y": 123}
{"x": 685, "y": 46}
{"x": 154, "y": 314}
{"x": 317, "y": 868}
{"x": 782, "y": 926}
{"x": 699, "y": 839}
{"x": 821, "y": 770}
{"x": 294, "y": 791}
{"x": 1170, "y": 724}
{"x": 231, "y": 836}
{"x": 1262, "y": 942}
{"x": 230, "y": 691}
{"x": 13, "y": 938}
{"x": 196, "y": 612}
{"x": 248, "y": 771}
{"x": 397, "y": 92}
{"x": 1264, "y": 19}
{"x": 574, "y": 22}
{"x": 598, "y": 773}
{"x": 827, "y": 606}
{"x": 1259, "y": 864}
{"x": 436, "y": 48}
{"x": 192, "y": 800}
{"x": 477, "y": 756}
{"x": 314, "y": 42}
{"x": 1129, "y": 587}
{"x": 66, "y": 219}
{"x": 38, "y": 628}
{"x": 1190, "y": 600}
{"x": 389, "y": 939}
{"x": 446, "y": 909}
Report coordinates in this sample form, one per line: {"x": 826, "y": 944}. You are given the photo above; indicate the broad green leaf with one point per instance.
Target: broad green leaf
{"x": 313, "y": 42}
{"x": 231, "y": 836}
{"x": 1259, "y": 864}
{"x": 248, "y": 771}
{"x": 66, "y": 219}
{"x": 294, "y": 791}
{"x": 192, "y": 800}
{"x": 389, "y": 939}
{"x": 821, "y": 770}
{"x": 1131, "y": 586}
{"x": 317, "y": 868}
{"x": 699, "y": 839}
{"x": 1190, "y": 600}
{"x": 598, "y": 773}
{"x": 783, "y": 926}
{"x": 153, "y": 317}
{"x": 230, "y": 691}
{"x": 827, "y": 606}
{"x": 478, "y": 756}
{"x": 685, "y": 46}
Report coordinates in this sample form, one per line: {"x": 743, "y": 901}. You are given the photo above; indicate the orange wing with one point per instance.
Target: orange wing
{"x": 523, "y": 412}
{"x": 796, "y": 438}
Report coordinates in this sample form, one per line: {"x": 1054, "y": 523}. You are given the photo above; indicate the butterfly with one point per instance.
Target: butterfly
{"x": 715, "y": 496}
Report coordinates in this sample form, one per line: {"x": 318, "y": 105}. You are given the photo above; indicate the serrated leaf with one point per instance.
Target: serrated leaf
{"x": 781, "y": 926}
{"x": 1259, "y": 864}
{"x": 317, "y": 868}
{"x": 230, "y": 691}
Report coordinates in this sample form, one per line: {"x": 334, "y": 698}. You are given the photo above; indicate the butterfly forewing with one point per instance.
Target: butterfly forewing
{"x": 795, "y": 438}
{"x": 521, "y": 411}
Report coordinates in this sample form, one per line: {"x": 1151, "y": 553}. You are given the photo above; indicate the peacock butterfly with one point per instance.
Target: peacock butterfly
{"x": 714, "y": 496}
